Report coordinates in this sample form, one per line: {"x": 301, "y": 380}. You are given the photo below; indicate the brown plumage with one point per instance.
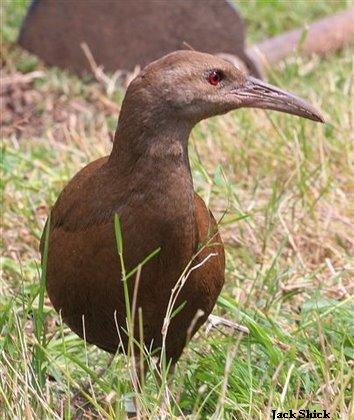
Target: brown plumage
{"x": 147, "y": 181}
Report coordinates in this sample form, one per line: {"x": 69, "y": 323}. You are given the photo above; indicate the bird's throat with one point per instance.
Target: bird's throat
{"x": 152, "y": 155}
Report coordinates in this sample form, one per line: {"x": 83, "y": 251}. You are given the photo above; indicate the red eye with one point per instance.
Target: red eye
{"x": 214, "y": 77}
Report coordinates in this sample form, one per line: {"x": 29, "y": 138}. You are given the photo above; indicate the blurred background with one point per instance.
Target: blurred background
{"x": 285, "y": 185}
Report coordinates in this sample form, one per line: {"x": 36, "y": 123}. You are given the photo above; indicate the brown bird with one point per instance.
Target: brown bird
{"x": 147, "y": 182}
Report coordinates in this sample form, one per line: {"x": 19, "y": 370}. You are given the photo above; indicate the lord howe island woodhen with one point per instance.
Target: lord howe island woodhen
{"x": 146, "y": 181}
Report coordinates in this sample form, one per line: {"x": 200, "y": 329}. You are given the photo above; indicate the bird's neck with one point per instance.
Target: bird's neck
{"x": 150, "y": 158}
{"x": 150, "y": 139}
{"x": 152, "y": 155}
{"x": 164, "y": 145}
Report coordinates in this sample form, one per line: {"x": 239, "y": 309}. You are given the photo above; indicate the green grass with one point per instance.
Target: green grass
{"x": 288, "y": 188}
{"x": 266, "y": 18}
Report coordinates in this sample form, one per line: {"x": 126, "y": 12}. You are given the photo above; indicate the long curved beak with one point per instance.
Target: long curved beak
{"x": 255, "y": 93}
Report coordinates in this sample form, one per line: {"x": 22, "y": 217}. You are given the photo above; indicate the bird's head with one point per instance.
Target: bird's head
{"x": 192, "y": 86}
